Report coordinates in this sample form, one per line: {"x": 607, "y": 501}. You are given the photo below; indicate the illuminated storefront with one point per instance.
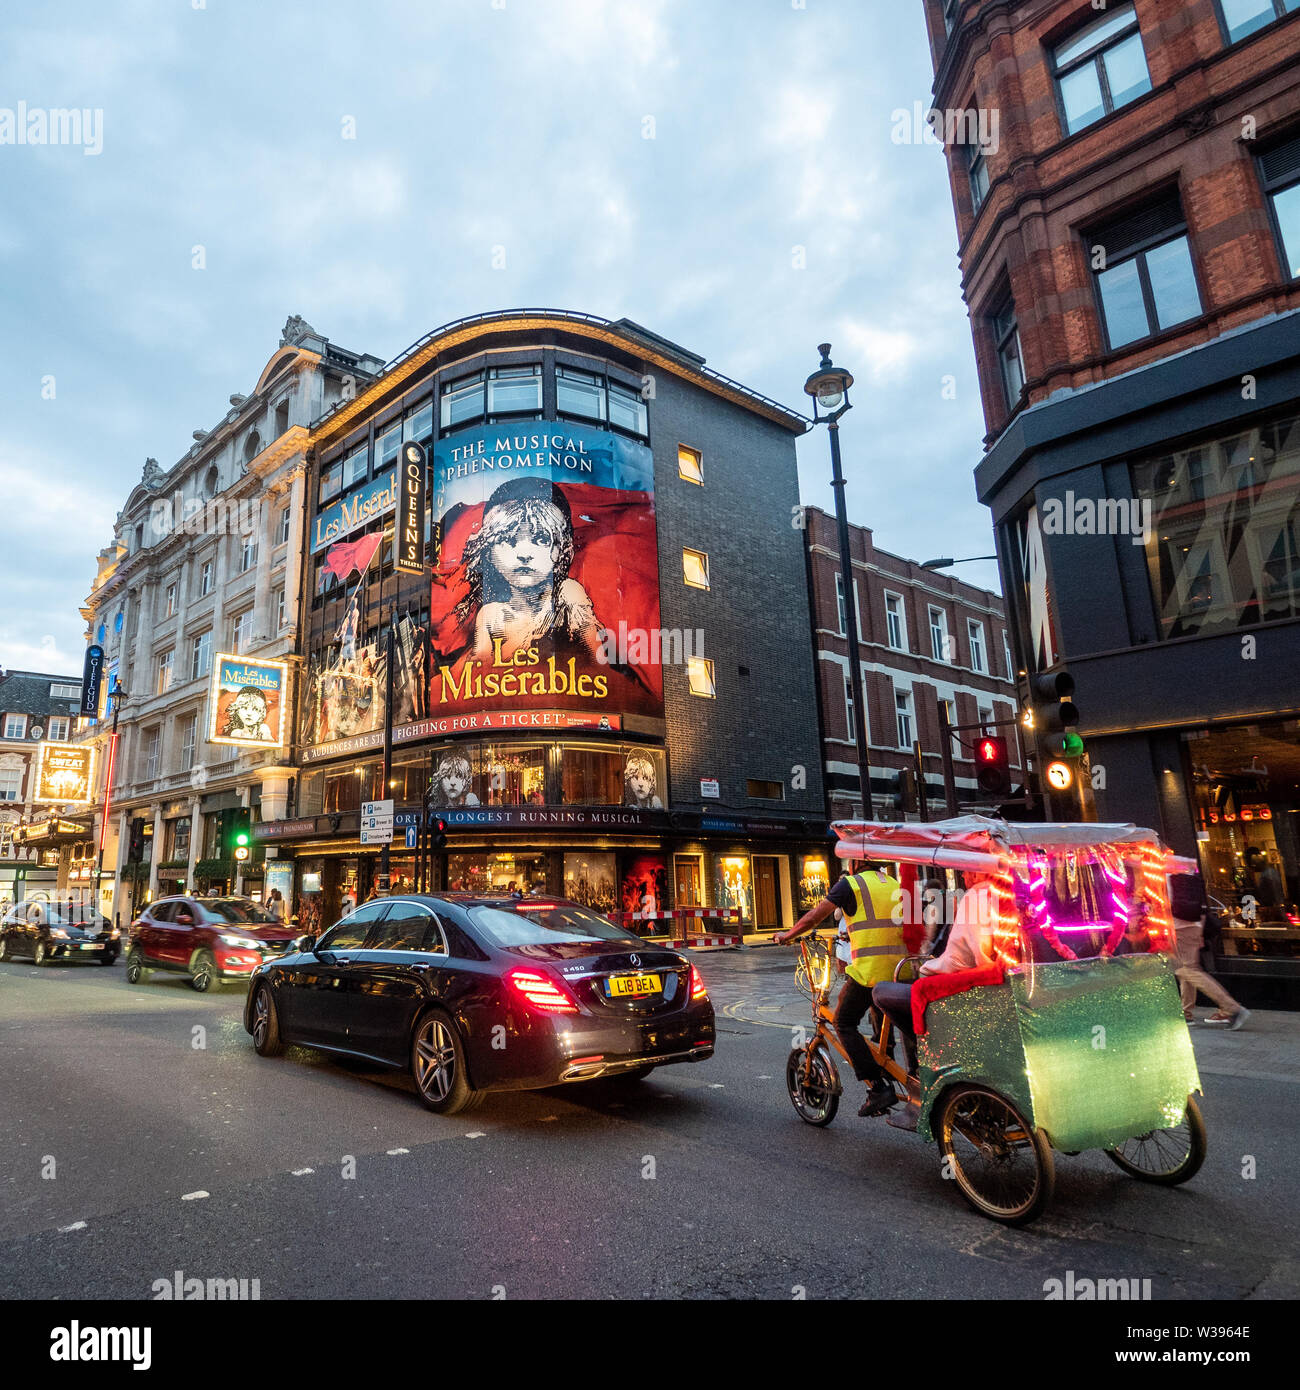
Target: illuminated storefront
{"x": 556, "y": 699}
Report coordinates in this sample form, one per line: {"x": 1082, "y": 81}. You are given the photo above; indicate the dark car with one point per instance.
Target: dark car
{"x": 208, "y": 939}
{"x": 50, "y": 931}
{"x": 475, "y": 994}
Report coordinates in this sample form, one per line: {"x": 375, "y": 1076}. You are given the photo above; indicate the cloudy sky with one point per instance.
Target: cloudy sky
{"x": 771, "y": 210}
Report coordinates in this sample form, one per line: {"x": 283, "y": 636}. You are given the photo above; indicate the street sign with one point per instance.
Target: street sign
{"x": 412, "y": 835}
{"x": 376, "y": 822}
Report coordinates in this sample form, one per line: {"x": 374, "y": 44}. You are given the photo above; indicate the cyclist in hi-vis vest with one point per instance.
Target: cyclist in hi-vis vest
{"x": 868, "y": 900}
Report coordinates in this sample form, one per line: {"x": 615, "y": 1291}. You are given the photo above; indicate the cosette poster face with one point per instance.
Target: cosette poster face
{"x": 248, "y": 702}
{"x": 547, "y": 569}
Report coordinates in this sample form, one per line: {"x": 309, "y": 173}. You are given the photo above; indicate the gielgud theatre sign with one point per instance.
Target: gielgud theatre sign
{"x": 545, "y": 545}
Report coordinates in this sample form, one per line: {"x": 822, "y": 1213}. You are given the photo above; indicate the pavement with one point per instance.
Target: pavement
{"x": 143, "y": 1136}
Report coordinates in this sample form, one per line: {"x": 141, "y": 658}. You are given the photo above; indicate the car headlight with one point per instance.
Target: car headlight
{"x": 114, "y": 934}
{"x": 59, "y": 933}
{"x": 244, "y": 942}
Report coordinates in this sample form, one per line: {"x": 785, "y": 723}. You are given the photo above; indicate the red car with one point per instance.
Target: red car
{"x": 208, "y": 939}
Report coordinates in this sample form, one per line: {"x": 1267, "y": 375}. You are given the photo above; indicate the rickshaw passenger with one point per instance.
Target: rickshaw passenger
{"x": 967, "y": 949}
{"x": 868, "y": 900}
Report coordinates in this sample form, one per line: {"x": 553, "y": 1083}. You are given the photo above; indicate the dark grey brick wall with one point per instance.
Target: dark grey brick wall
{"x": 755, "y": 613}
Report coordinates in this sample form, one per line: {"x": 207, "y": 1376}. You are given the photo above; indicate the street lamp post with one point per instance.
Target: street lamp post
{"x": 117, "y": 695}
{"x": 829, "y": 388}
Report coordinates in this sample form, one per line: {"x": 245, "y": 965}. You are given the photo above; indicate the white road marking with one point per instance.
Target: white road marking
{"x": 76, "y": 1226}
{"x": 193, "y": 1196}
{"x": 476, "y": 1134}
{"x": 398, "y": 1151}
{"x": 716, "y": 1086}
{"x": 301, "y": 1172}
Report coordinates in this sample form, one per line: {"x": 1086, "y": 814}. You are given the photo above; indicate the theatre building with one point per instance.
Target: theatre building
{"x": 1130, "y": 252}
{"x": 603, "y": 674}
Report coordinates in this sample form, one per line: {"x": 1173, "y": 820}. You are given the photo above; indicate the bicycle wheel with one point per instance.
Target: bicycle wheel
{"x": 1165, "y": 1156}
{"x": 814, "y": 1091}
{"x": 1002, "y": 1165}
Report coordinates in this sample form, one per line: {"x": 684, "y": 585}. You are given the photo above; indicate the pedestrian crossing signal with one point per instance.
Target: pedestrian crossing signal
{"x": 993, "y": 765}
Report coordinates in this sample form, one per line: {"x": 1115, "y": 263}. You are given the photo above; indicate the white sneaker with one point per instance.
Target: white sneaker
{"x": 1238, "y": 1019}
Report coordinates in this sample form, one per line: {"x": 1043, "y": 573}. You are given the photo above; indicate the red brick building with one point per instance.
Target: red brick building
{"x": 923, "y": 637}
{"x": 1126, "y": 176}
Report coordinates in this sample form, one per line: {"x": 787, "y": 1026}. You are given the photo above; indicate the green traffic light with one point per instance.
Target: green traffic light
{"x": 242, "y": 837}
{"x": 1073, "y": 746}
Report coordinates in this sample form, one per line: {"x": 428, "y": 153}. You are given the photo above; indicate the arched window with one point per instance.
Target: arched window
{"x": 210, "y": 482}
{"x": 252, "y": 446}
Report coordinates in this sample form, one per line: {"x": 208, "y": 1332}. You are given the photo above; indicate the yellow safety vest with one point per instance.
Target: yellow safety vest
{"x": 875, "y": 939}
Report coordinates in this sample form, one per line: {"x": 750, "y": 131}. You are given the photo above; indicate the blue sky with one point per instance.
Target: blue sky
{"x": 479, "y": 124}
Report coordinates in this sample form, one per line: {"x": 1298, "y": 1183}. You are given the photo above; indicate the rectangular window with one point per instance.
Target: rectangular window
{"x": 163, "y": 669}
{"x": 841, "y": 608}
{"x": 1243, "y": 17}
{"x": 277, "y": 607}
{"x": 592, "y": 776}
{"x": 975, "y": 633}
{"x": 418, "y": 425}
{"x": 695, "y": 568}
{"x": 331, "y": 480}
{"x": 205, "y": 578}
{"x": 939, "y": 634}
{"x": 11, "y": 783}
{"x": 699, "y": 674}
{"x": 1101, "y": 68}
{"x": 247, "y": 554}
{"x": 189, "y": 735}
{"x": 1280, "y": 169}
{"x": 951, "y": 9}
{"x": 957, "y": 751}
{"x": 579, "y": 393}
{"x": 201, "y": 655}
{"x": 1011, "y": 362}
{"x": 903, "y": 706}
{"x": 986, "y": 719}
{"x": 65, "y": 692}
{"x": 1223, "y": 550}
{"x": 152, "y": 747}
{"x": 977, "y": 172}
{"x": 627, "y": 410}
{"x": 690, "y": 464}
{"x": 850, "y": 709}
{"x": 463, "y": 400}
{"x": 241, "y": 629}
{"x": 356, "y": 467}
{"x": 386, "y": 449}
{"x": 282, "y": 528}
{"x": 764, "y": 791}
{"x": 895, "y": 622}
{"x": 1009, "y": 666}
{"x": 59, "y": 727}
{"x": 515, "y": 391}
{"x": 15, "y": 726}
{"x": 169, "y": 602}
{"x": 1142, "y": 265}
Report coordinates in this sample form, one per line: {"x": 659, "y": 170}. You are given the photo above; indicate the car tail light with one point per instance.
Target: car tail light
{"x": 698, "y": 990}
{"x": 542, "y": 993}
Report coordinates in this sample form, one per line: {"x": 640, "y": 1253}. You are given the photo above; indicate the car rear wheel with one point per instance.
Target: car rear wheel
{"x": 40, "y": 955}
{"x": 204, "y": 974}
{"x": 438, "y": 1066}
{"x": 4, "y": 948}
{"x": 266, "y": 1024}
{"x": 135, "y": 967}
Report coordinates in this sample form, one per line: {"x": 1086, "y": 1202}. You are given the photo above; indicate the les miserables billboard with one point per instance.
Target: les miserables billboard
{"x": 547, "y": 560}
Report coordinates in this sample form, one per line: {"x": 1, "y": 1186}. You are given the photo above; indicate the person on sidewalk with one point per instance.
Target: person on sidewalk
{"x": 1189, "y": 907}
{"x": 868, "y": 900}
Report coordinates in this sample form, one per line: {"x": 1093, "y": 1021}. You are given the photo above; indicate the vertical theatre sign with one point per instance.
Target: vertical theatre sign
{"x": 248, "y": 702}
{"x": 92, "y": 673}
{"x": 408, "y": 548}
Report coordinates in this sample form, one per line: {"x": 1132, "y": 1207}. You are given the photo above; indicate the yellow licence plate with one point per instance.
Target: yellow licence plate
{"x": 630, "y": 986}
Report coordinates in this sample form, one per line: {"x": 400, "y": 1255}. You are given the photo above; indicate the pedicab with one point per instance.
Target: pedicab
{"x": 1037, "y": 1052}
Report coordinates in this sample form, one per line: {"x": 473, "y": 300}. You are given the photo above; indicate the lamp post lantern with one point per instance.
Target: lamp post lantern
{"x": 829, "y": 388}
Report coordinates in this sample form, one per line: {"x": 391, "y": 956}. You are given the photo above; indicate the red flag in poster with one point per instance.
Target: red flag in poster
{"x": 342, "y": 559}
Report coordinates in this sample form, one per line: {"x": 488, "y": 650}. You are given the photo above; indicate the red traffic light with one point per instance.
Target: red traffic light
{"x": 993, "y": 774}
{"x": 992, "y": 750}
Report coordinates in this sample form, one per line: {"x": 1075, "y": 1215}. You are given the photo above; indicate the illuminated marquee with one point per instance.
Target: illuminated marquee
{"x": 248, "y": 702}
{"x": 65, "y": 774}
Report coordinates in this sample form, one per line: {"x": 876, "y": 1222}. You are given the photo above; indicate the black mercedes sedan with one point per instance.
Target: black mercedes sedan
{"x": 476, "y": 994}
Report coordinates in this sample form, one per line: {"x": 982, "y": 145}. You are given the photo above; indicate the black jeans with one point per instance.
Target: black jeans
{"x": 850, "y": 1009}
{"x": 896, "y": 1001}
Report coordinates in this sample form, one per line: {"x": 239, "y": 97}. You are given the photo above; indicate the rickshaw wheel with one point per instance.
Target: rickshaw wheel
{"x": 1001, "y": 1163}
{"x": 815, "y": 1098}
{"x": 1165, "y": 1156}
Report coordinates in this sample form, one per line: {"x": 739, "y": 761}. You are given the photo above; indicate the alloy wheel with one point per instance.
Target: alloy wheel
{"x": 435, "y": 1060}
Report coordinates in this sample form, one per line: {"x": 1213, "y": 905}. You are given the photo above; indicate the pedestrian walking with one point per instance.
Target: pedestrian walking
{"x": 276, "y": 906}
{"x": 1189, "y": 908}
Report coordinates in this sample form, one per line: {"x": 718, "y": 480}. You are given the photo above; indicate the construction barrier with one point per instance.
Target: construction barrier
{"x": 703, "y": 926}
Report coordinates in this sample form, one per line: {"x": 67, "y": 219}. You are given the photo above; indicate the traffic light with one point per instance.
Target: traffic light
{"x": 904, "y": 790}
{"x": 135, "y": 844}
{"x": 438, "y": 835}
{"x": 993, "y": 765}
{"x": 239, "y": 837}
{"x": 1055, "y": 715}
